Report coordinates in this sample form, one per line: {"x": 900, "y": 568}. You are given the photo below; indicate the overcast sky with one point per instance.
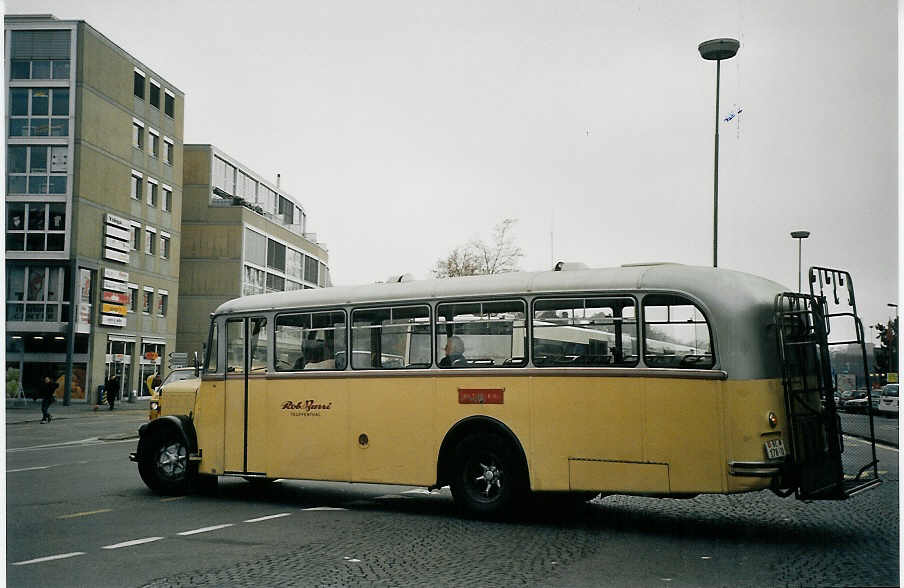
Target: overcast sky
{"x": 407, "y": 128}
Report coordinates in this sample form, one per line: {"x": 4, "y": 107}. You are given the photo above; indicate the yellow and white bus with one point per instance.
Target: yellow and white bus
{"x": 657, "y": 380}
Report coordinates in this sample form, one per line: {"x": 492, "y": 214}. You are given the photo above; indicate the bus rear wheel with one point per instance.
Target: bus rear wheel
{"x": 488, "y": 479}
{"x": 164, "y": 464}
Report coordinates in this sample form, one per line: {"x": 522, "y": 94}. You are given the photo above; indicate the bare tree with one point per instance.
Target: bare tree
{"x": 478, "y": 257}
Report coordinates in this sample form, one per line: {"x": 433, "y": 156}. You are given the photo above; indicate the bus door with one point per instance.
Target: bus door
{"x": 833, "y": 456}
{"x": 246, "y": 367}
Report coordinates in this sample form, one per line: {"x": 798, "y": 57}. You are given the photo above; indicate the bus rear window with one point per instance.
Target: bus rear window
{"x": 676, "y": 334}
{"x": 481, "y": 334}
{"x": 585, "y": 332}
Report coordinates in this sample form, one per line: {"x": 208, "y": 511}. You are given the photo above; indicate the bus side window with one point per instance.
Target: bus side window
{"x": 212, "y": 351}
{"x": 257, "y": 359}
{"x": 391, "y": 338}
{"x": 481, "y": 334}
{"x": 235, "y": 345}
{"x": 589, "y": 332}
{"x": 310, "y": 341}
{"x": 676, "y": 334}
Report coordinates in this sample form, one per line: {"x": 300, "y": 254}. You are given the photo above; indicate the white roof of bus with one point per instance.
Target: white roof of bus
{"x": 740, "y": 305}
{"x": 706, "y": 283}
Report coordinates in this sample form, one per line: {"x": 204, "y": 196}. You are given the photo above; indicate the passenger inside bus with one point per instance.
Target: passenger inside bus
{"x": 455, "y": 353}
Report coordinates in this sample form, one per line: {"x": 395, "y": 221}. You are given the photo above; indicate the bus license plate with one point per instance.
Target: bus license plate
{"x": 775, "y": 448}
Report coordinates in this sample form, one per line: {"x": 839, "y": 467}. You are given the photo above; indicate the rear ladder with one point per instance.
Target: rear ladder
{"x": 823, "y": 466}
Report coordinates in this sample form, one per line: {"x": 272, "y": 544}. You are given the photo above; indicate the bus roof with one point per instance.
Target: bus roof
{"x": 706, "y": 283}
{"x": 739, "y": 305}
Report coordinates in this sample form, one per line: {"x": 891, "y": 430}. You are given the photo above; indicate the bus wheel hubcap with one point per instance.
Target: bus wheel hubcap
{"x": 171, "y": 460}
{"x": 490, "y": 479}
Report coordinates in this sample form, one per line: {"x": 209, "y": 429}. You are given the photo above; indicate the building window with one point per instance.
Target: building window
{"x": 37, "y": 169}
{"x": 167, "y": 150}
{"x": 39, "y": 112}
{"x": 136, "y": 185}
{"x": 164, "y": 245}
{"x": 35, "y": 226}
{"x": 167, "y": 203}
{"x": 154, "y": 95}
{"x": 276, "y": 255}
{"x": 137, "y": 135}
{"x": 275, "y": 283}
{"x": 152, "y": 192}
{"x": 39, "y": 69}
{"x": 133, "y": 297}
{"x": 253, "y": 281}
{"x": 294, "y": 264}
{"x": 148, "y": 303}
{"x": 154, "y": 137}
{"x": 162, "y": 302}
{"x": 150, "y": 243}
{"x": 136, "y": 237}
{"x": 139, "y": 84}
{"x": 310, "y": 269}
{"x": 169, "y": 103}
{"x": 37, "y": 293}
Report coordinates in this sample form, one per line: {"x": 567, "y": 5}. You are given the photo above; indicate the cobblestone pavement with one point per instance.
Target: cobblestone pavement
{"x": 748, "y": 540}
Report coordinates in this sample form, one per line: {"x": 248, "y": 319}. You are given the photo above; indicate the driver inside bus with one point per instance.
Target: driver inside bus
{"x": 455, "y": 353}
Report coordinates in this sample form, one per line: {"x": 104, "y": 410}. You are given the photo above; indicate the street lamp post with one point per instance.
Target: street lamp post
{"x": 717, "y": 50}
{"x": 800, "y": 236}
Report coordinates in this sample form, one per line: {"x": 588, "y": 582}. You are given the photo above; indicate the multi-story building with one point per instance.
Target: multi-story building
{"x": 93, "y": 209}
{"x": 241, "y": 234}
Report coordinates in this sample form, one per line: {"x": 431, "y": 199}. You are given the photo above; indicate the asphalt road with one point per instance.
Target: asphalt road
{"x": 72, "y": 492}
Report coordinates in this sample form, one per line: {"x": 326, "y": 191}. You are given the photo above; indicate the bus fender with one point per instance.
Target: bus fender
{"x": 179, "y": 424}
{"x": 469, "y": 426}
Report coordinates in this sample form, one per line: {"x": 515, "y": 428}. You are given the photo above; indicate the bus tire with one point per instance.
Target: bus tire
{"x": 488, "y": 478}
{"x": 164, "y": 464}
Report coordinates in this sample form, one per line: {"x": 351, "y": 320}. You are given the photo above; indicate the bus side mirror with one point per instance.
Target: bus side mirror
{"x": 197, "y": 365}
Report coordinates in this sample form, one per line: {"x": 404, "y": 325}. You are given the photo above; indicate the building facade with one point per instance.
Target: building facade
{"x": 93, "y": 210}
{"x": 241, "y": 235}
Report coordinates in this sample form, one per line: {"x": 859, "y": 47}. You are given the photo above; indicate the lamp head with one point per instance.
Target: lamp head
{"x": 716, "y": 49}
{"x": 800, "y": 234}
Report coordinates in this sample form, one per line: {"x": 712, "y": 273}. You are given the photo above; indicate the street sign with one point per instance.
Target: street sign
{"x": 180, "y": 355}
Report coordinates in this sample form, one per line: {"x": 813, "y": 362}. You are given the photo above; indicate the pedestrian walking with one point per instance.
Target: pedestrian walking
{"x": 48, "y": 397}
{"x": 111, "y": 387}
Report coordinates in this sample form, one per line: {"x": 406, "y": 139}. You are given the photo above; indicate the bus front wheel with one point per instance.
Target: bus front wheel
{"x": 488, "y": 478}
{"x": 164, "y": 465}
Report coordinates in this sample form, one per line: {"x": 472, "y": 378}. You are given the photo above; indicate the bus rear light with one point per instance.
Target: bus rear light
{"x": 773, "y": 420}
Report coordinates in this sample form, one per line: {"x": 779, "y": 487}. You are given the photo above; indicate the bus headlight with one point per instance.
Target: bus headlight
{"x": 155, "y": 405}
{"x": 773, "y": 420}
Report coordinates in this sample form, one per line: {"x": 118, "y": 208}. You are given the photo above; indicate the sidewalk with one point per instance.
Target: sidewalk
{"x": 30, "y": 412}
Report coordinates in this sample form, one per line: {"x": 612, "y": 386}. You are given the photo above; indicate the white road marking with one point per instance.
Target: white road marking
{"x": 82, "y": 443}
{"x": 205, "y": 529}
{"x": 49, "y": 558}
{"x": 30, "y": 469}
{"x": 324, "y": 508}
{"x": 131, "y": 543}
{"x": 267, "y": 518}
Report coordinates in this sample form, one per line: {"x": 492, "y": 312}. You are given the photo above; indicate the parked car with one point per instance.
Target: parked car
{"x": 888, "y": 401}
{"x": 847, "y": 396}
{"x": 862, "y": 401}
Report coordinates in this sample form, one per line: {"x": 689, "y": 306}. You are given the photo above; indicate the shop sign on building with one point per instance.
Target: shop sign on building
{"x": 114, "y": 297}
{"x": 116, "y": 238}
{"x": 83, "y": 322}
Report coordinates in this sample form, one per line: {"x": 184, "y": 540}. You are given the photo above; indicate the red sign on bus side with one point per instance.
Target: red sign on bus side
{"x": 481, "y": 395}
